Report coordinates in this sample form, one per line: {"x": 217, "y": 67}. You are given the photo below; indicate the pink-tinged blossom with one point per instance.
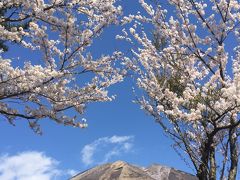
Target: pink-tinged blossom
{"x": 62, "y": 31}
{"x": 189, "y": 74}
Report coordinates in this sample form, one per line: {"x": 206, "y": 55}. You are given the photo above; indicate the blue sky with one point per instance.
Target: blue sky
{"x": 118, "y": 130}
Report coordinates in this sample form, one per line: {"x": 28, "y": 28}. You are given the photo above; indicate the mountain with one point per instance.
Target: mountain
{"x": 120, "y": 170}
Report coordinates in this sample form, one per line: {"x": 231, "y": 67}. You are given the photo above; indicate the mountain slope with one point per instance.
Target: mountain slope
{"x": 120, "y": 170}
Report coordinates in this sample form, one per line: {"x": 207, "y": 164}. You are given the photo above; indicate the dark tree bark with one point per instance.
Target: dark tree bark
{"x": 212, "y": 170}
{"x": 202, "y": 171}
{"x": 233, "y": 154}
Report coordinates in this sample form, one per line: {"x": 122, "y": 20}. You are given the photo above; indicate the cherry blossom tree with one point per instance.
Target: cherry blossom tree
{"x": 189, "y": 76}
{"x": 53, "y": 84}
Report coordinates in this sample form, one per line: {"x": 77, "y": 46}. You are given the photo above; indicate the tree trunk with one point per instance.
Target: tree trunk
{"x": 202, "y": 171}
{"x": 233, "y": 154}
{"x": 212, "y": 170}
{"x": 207, "y": 168}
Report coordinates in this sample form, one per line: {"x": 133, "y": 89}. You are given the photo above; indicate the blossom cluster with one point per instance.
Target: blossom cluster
{"x": 189, "y": 73}
{"x": 62, "y": 31}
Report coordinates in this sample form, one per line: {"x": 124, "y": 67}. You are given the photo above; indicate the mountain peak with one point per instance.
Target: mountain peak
{"x": 118, "y": 164}
{"x": 121, "y": 170}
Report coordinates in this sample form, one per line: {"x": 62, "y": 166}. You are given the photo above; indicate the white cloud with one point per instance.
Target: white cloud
{"x": 71, "y": 172}
{"x": 119, "y": 139}
{"x": 30, "y": 165}
{"x": 116, "y": 145}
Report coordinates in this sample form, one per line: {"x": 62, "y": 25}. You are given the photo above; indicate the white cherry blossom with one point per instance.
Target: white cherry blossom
{"x": 189, "y": 73}
{"x": 52, "y": 84}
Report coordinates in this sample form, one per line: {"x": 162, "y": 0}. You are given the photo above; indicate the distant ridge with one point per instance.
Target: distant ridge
{"x": 121, "y": 170}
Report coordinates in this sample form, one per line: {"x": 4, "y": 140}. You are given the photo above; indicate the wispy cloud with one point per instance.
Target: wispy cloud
{"x": 71, "y": 172}
{"x": 108, "y": 148}
{"x": 30, "y": 165}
